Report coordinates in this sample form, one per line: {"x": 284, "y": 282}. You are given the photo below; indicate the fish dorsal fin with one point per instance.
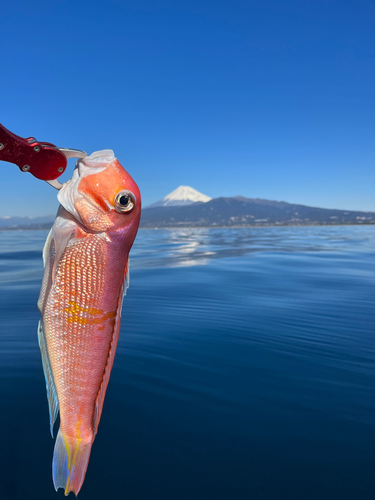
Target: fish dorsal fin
{"x": 53, "y": 402}
{"x": 101, "y": 394}
{"x": 54, "y": 247}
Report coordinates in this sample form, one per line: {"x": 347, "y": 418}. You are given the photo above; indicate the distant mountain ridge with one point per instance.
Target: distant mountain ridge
{"x": 42, "y": 222}
{"x": 183, "y": 195}
{"x": 223, "y": 212}
{"x": 241, "y": 211}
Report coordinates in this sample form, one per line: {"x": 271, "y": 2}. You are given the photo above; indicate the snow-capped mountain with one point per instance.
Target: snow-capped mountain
{"x": 183, "y": 195}
{"x": 239, "y": 211}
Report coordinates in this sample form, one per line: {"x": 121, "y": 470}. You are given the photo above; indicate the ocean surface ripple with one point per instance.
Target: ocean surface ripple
{"x": 245, "y": 369}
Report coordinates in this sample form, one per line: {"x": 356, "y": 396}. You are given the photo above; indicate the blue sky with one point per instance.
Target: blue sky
{"x": 261, "y": 98}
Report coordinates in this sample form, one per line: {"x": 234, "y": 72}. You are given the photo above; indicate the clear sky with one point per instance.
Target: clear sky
{"x": 261, "y": 98}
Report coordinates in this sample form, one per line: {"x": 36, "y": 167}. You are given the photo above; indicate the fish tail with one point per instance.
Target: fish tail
{"x": 69, "y": 464}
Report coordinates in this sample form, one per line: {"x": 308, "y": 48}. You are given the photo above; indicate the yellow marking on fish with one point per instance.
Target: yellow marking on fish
{"x": 73, "y": 306}
{"x": 72, "y": 461}
{"x": 71, "y": 465}
{"x": 68, "y": 450}
{"x": 81, "y": 314}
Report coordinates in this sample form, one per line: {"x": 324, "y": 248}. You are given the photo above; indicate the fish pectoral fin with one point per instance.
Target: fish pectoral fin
{"x": 53, "y": 402}
{"x": 62, "y": 233}
{"x": 56, "y": 242}
{"x": 47, "y": 246}
{"x": 69, "y": 464}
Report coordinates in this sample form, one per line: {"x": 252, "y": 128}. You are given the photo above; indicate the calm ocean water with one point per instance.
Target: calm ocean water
{"x": 245, "y": 369}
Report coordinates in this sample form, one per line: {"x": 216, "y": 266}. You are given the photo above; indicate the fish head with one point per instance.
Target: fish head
{"x": 102, "y": 196}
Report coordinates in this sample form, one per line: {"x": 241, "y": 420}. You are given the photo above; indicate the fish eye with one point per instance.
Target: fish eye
{"x": 124, "y": 201}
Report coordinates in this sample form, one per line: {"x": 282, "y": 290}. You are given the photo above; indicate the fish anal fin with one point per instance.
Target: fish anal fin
{"x": 53, "y": 402}
{"x": 112, "y": 352}
{"x": 70, "y": 461}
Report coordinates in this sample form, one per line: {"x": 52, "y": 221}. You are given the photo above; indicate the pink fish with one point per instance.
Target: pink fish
{"x": 86, "y": 275}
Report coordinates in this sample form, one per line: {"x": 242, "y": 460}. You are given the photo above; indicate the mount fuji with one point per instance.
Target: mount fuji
{"x": 183, "y": 195}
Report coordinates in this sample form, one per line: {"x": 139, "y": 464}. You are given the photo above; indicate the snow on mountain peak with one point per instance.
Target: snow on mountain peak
{"x": 183, "y": 195}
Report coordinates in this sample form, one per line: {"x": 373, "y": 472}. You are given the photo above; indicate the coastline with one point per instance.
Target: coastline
{"x": 361, "y": 223}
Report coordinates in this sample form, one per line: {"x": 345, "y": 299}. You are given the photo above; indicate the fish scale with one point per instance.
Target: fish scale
{"x": 78, "y": 349}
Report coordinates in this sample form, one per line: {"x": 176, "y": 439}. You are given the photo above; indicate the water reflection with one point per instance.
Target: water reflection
{"x": 197, "y": 246}
{"x": 20, "y": 251}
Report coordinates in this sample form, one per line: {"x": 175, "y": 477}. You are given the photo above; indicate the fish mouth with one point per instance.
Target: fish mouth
{"x": 98, "y": 159}
{"x": 69, "y": 193}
